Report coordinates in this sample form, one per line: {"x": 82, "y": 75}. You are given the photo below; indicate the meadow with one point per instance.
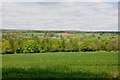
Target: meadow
{"x": 61, "y": 65}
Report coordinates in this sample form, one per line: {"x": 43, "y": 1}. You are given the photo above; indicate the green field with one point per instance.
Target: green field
{"x": 60, "y": 65}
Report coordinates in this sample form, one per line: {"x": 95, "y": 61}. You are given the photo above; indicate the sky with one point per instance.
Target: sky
{"x": 82, "y": 16}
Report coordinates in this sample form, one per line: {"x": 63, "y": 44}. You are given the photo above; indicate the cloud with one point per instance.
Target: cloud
{"x": 0, "y": 15}
{"x": 59, "y": 0}
{"x": 60, "y": 16}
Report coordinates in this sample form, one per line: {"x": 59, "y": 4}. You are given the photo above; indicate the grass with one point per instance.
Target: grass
{"x": 35, "y": 34}
{"x": 61, "y": 65}
{"x": 88, "y": 36}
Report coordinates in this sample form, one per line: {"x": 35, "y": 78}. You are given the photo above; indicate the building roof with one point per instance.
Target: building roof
{"x": 64, "y": 34}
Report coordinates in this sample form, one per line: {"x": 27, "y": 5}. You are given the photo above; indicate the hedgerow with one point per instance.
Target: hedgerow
{"x": 56, "y": 45}
{"x": 26, "y": 44}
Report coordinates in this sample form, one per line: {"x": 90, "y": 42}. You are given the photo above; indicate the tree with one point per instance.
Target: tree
{"x": 6, "y": 48}
{"x": 104, "y": 44}
{"x": 55, "y": 46}
{"x": 88, "y": 46}
{"x": 30, "y": 46}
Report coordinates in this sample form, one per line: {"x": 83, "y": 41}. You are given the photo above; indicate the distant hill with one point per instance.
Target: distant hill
{"x": 56, "y": 31}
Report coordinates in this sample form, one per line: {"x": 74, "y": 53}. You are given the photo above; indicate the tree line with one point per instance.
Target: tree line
{"x": 42, "y": 45}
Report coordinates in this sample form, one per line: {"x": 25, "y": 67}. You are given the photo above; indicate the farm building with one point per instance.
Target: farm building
{"x": 64, "y": 34}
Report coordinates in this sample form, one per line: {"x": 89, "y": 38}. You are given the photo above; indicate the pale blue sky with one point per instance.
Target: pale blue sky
{"x": 83, "y": 16}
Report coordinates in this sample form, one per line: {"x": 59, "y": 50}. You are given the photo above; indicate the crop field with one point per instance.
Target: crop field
{"x": 61, "y": 65}
{"x": 92, "y": 36}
